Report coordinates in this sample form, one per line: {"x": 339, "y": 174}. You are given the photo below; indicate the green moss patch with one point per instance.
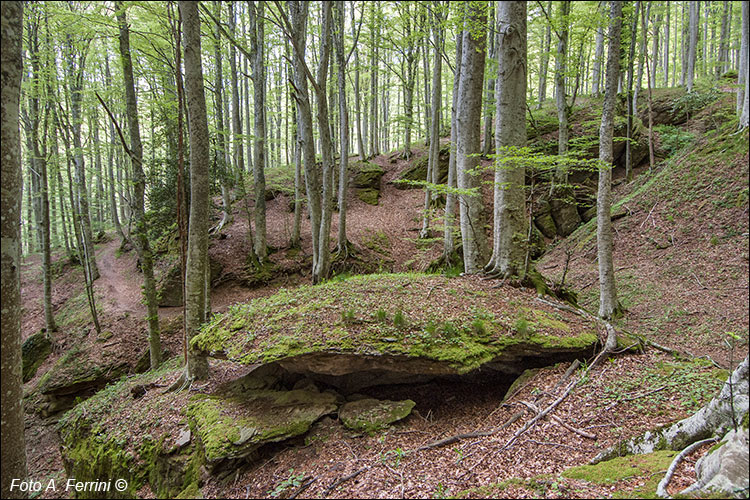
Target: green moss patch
{"x": 34, "y": 351}
{"x": 439, "y": 321}
{"x": 618, "y": 469}
{"x": 235, "y": 426}
{"x": 370, "y": 415}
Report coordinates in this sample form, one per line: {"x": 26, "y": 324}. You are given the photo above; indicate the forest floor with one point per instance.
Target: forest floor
{"x": 681, "y": 256}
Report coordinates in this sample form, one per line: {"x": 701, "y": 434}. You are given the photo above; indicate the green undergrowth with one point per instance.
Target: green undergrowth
{"x": 651, "y": 466}
{"x": 451, "y": 320}
{"x": 665, "y": 387}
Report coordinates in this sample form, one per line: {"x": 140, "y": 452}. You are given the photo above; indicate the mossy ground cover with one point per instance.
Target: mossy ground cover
{"x": 462, "y": 321}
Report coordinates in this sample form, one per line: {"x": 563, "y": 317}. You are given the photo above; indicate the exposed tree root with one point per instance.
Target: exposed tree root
{"x": 661, "y": 490}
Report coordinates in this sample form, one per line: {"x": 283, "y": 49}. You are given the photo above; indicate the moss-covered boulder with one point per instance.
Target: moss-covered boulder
{"x": 366, "y": 178}
{"x": 417, "y": 171}
{"x": 77, "y": 375}
{"x": 385, "y": 329}
{"x": 370, "y": 415}
{"x": 34, "y": 351}
{"x": 169, "y": 289}
{"x": 234, "y": 426}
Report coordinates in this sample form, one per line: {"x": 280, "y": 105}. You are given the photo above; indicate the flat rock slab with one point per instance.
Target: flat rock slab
{"x": 725, "y": 469}
{"x": 369, "y": 415}
{"x": 235, "y": 426}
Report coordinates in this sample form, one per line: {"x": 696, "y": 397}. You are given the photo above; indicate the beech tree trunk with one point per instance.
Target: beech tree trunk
{"x": 609, "y": 306}
{"x": 743, "y": 62}
{"x": 666, "y": 46}
{"x": 449, "y": 245}
{"x": 142, "y": 245}
{"x": 561, "y": 68}
{"x": 259, "y": 115}
{"x": 197, "y": 251}
{"x": 489, "y": 97}
{"x": 544, "y": 60}
{"x": 343, "y": 125}
{"x": 693, "y": 47}
{"x": 222, "y": 169}
{"x": 509, "y": 237}
{"x": 13, "y": 450}
{"x": 468, "y": 123}
{"x": 75, "y": 67}
{"x": 596, "y": 75}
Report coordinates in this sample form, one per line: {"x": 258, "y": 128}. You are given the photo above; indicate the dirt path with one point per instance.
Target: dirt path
{"x": 119, "y": 282}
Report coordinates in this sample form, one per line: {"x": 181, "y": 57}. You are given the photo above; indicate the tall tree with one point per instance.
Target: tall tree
{"x": 38, "y": 162}
{"x": 76, "y": 61}
{"x": 140, "y": 232}
{"x": 341, "y": 61}
{"x": 666, "y": 45}
{"x": 259, "y": 113}
{"x": 598, "y": 55}
{"x": 609, "y": 305}
{"x": 222, "y": 168}
{"x": 468, "y": 123}
{"x": 693, "y": 47}
{"x": 742, "y": 72}
{"x": 450, "y": 199}
{"x": 197, "y": 251}
{"x": 510, "y": 95}
{"x": 544, "y": 59}
{"x": 13, "y": 450}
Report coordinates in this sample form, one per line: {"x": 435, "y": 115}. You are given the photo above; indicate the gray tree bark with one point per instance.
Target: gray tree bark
{"x": 596, "y": 75}
{"x": 343, "y": 125}
{"x": 449, "y": 245}
{"x": 223, "y": 170}
{"x": 468, "y": 123}
{"x": 544, "y": 61}
{"x": 693, "y": 47}
{"x": 510, "y": 226}
{"x": 75, "y": 67}
{"x": 259, "y": 115}
{"x": 142, "y": 245}
{"x": 197, "y": 251}
{"x": 13, "y": 450}
{"x": 489, "y": 97}
{"x": 743, "y": 62}
{"x": 666, "y": 46}
{"x": 609, "y": 306}
{"x": 561, "y": 68}
{"x": 723, "y": 39}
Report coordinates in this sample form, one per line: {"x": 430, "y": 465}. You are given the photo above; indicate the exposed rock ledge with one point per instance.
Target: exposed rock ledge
{"x": 398, "y": 328}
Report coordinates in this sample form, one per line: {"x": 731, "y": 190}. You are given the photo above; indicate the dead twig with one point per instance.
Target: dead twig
{"x": 303, "y": 487}
{"x": 336, "y": 483}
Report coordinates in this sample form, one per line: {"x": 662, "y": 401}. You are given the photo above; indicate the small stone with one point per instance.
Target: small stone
{"x": 183, "y": 439}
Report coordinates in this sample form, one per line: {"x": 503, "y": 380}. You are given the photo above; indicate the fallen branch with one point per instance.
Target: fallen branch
{"x": 303, "y": 487}
{"x": 344, "y": 479}
{"x": 661, "y": 490}
{"x": 580, "y": 432}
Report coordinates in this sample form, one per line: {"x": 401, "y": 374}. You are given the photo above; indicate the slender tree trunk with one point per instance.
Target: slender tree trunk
{"x": 449, "y": 245}
{"x": 357, "y": 95}
{"x": 259, "y": 103}
{"x": 197, "y": 252}
{"x": 143, "y": 247}
{"x": 630, "y": 106}
{"x": 343, "y": 125}
{"x": 295, "y": 240}
{"x": 609, "y": 306}
{"x": 742, "y": 73}
{"x": 374, "y": 143}
{"x": 509, "y": 250}
{"x": 222, "y": 168}
{"x": 13, "y": 451}
{"x": 723, "y": 40}
{"x": 596, "y": 76}
{"x": 468, "y": 121}
{"x": 489, "y": 99}
{"x": 693, "y": 48}
{"x": 544, "y": 60}
{"x": 650, "y": 114}
{"x": 75, "y": 75}
{"x": 684, "y": 44}
{"x": 110, "y": 164}
{"x": 666, "y": 45}
{"x": 561, "y": 68}
{"x": 641, "y": 55}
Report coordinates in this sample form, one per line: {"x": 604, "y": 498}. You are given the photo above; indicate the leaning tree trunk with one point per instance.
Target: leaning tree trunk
{"x": 142, "y": 245}
{"x": 509, "y": 250}
{"x": 197, "y": 252}
{"x": 468, "y": 123}
{"x": 13, "y": 451}
{"x": 609, "y": 306}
